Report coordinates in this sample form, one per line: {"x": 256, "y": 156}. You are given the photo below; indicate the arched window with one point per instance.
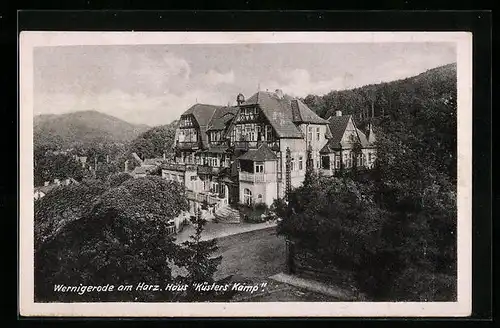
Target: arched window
{"x": 247, "y": 196}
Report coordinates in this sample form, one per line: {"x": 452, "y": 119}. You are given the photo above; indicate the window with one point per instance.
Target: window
{"x": 325, "y": 162}
{"x": 292, "y": 164}
{"x": 317, "y": 134}
{"x": 300, "y": 163}
{"x": 247, "y": 196}
{"x": 269, "y": 133}
{"x": 337, "y": 161}
{"x": 360, "y": 160}
{"x": 259, "y": 167}
{"x": 317, "y": 162}
{"x": 310, "y": 134}
{"x": 193, "y": 178}
{"x": 369, "y": 158}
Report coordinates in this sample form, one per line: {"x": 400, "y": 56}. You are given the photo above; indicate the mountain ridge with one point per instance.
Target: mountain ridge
{"x": 83, "y": 127}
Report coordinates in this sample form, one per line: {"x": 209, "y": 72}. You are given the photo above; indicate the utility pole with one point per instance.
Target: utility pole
{"x": 288, "y": 184}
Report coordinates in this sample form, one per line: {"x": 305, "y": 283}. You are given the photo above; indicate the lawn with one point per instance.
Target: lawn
{"x": 252, "y": 255}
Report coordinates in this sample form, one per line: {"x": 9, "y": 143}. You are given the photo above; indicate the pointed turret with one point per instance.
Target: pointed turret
{"x": 371, "y": 135}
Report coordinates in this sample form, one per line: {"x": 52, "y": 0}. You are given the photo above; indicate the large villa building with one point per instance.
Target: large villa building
{"x": 239, "y": 154}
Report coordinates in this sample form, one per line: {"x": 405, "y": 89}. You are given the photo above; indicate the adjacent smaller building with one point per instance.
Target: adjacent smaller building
{"x": 348, "y": 146}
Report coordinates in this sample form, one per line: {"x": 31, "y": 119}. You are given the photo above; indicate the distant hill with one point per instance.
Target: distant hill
{"x": 387, "y": 99}
{"x": 82, "y": 128}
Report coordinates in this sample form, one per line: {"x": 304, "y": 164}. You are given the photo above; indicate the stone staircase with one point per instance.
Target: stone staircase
{"x": 227, "y": 214}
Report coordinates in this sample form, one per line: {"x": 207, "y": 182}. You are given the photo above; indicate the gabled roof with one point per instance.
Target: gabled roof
{"x": 305, "y": 114}
{"x": 221, "y": 117}
{"x": 262, "y": 154}
{"x": 337, "y": 125}
{"x": 137, "y": 158}
{"x": 283, "y": 112}
{"x": 202, "y": 113}
{"x": 362, "y": 138}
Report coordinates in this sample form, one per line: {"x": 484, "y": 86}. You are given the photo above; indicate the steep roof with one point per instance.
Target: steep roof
{"x": 221, "y": 117}
{"x": 137, "y": 158}
{"x": 337, "y": 125}
{"x": 362, "y": 138}
{"x": 202, "y": 113}
{"x": 283, "y": 112}
{"x": 305, "y": 114}
{"x": 371, "y": 136}
{"x": 262, "y": 154}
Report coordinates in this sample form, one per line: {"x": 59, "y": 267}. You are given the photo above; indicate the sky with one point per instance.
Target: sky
{"x": 155, "y": 84}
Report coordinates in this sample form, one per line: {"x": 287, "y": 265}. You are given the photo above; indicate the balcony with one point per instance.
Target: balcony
{"x": 187, "y": 145}
{"x": 179, "y": 167}
{"x": 257, "y": 177}
{"x": 208, "y": 170}
{"x": 218, "y": 143}
{"x": 246, "y": 145}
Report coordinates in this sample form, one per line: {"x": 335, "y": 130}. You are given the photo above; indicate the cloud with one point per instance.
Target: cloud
{"x": 298, "y": 83}
{"x": 213, "y": 77}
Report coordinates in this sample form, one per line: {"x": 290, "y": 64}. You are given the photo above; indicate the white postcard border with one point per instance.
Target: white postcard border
{"x": 463, "y": 307}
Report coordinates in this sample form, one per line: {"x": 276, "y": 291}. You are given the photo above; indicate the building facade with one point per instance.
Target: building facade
{"x": 238, "y": 154}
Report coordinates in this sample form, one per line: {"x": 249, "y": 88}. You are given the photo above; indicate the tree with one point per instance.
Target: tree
{"x": 118, "y": 178}
{"x": 55, "y": 166}
{"x": 199, "y": 260}
{"x": 62, "y": 206}
{"x": 309, "y": 175}
{"x": 154, "y": 142}
{"x": 121, "y": 237}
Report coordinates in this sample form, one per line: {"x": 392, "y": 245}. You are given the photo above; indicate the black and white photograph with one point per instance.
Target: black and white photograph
{"x": 245, "y": 173}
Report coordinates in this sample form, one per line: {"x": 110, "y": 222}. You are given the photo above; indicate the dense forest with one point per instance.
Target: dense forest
{"x": 393, "y": 228}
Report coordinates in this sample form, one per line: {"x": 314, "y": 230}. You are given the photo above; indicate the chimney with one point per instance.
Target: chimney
{"x": 46, "y": 183}
{"x": 67, "y": 182}
{"x": 57, "y": 182}
{"x": 279, "y": 93}
{"x": 126, "y": 165}
{"x": 338, "y": 113}
{"x": 164, "y": 156}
